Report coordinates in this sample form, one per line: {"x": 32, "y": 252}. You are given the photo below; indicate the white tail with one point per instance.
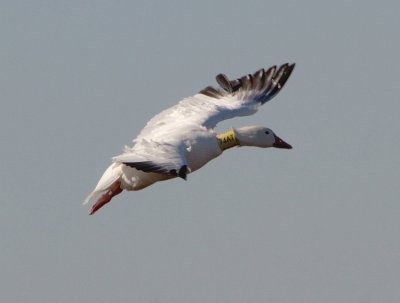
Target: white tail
{"x": 111, "y": 175}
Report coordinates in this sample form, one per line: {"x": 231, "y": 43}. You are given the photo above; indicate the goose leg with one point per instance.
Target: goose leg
{"x": 114, "y": 190}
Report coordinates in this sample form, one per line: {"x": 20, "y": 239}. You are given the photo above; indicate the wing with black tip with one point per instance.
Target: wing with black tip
{"x": 156, "y": 157}
{"x": 233, "y": 98}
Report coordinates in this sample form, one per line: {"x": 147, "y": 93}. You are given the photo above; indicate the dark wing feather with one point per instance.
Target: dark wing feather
{"x": 232, "y": 98}
{"x": 152, "y": 167}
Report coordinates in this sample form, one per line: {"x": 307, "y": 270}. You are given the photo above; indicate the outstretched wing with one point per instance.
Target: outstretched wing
{"x": 240, "y": 97}
{"x": 167, "y": 158}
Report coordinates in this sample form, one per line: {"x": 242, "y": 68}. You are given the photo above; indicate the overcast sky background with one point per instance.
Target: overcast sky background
{"x": 319, "y": 223}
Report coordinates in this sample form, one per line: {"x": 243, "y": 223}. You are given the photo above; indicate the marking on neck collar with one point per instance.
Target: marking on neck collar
{"x": 227, "y": 140}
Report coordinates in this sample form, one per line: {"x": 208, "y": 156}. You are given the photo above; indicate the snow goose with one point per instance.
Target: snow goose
{"x": 182, "y": 139}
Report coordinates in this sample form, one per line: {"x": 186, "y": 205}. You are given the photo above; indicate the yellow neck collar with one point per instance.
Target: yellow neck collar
{"x": 227, "y": 140}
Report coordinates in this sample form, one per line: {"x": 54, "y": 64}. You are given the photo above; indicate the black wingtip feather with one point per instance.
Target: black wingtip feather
{"x": 151, "y": 167}
{"x": 148, "y": 167}
{"x": 279, "y": 80}
{"x": 211, "y": 92}
{"x": 224, "y": 82}
{"x": 259, "y": 78}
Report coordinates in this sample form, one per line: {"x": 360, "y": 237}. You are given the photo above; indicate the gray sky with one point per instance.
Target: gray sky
{"x": 319, "y": 223}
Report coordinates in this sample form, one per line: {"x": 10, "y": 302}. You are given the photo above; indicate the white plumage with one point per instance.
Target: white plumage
{"x": 181, "y": 139}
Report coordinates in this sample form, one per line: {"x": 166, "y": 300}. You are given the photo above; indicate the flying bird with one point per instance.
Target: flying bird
{"x": 181, "y": 139}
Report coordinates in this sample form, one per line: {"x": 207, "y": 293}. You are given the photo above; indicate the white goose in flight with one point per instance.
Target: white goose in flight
{"x": 182, "y": 139}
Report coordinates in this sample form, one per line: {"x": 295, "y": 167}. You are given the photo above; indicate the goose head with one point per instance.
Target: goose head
{"x": 259, "y": 136}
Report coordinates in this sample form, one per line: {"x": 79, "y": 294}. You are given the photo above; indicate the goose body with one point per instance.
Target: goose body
{"x": 181, "y": 139}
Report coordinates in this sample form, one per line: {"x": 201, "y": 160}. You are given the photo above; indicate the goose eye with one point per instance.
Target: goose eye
{"x": 267, "y": 132}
